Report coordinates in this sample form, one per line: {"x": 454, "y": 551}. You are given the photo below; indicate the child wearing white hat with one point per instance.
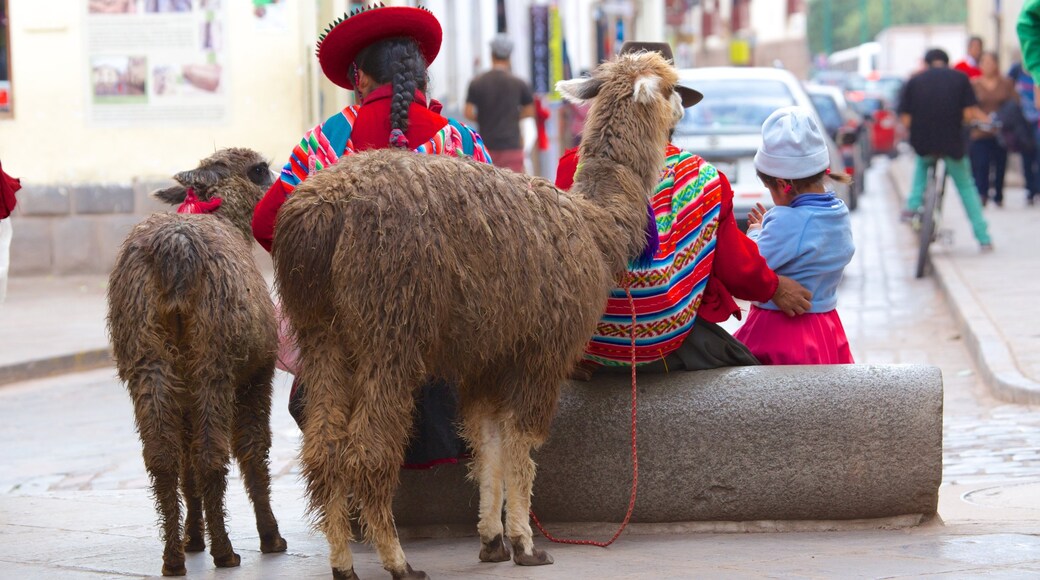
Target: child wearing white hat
{"x": 807, "y": 236}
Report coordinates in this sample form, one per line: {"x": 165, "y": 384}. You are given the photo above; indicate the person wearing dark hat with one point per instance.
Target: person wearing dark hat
{"x": 382, "y": 54}
{"x": 697, "y": 260}
{"x": 497, "y": 100}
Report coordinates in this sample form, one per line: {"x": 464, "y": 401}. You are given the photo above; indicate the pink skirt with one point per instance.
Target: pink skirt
{"x": 809, "y": 339}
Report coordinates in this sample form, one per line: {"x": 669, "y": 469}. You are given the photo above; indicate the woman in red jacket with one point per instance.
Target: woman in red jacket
{"x": 697, "y": 260}
{"x": 382, "y": 54}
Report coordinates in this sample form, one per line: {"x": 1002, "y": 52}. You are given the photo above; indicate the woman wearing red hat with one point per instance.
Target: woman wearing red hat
{"x": 382, "y": 54}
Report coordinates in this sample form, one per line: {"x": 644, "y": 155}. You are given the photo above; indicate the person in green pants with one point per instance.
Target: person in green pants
{"x": 935, "y": 104}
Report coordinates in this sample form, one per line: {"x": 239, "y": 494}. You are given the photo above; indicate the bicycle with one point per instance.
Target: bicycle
{"x": 928, "y": 221}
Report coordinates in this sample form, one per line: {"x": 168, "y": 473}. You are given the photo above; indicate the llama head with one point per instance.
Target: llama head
{"x": 632, "y": 97}
{"x": 228, "y": 183}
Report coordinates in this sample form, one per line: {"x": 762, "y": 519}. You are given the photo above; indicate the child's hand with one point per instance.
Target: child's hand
{"x": 755, "y": 216}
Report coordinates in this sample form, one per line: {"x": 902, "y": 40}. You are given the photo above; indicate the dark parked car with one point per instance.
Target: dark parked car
{"x": 848, "y": 130}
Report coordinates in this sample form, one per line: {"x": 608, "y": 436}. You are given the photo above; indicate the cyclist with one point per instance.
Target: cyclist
{"x": 935, "y": 105}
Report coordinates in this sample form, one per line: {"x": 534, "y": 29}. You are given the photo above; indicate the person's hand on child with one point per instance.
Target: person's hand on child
{"x": 755, "y": 216}
{"x": 792, "y": 297}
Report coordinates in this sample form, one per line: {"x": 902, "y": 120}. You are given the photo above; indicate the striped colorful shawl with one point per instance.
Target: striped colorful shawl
{"x": 668, "y": 291}
{"x": 324, "y": 144}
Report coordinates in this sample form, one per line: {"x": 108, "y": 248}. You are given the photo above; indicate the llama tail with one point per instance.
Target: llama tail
{"x": 304, "y": 245}
{"x": 178, "y": 264}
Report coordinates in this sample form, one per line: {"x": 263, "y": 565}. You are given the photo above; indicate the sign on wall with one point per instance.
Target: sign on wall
{"x": 156, "y": 61}
{"x": 540, "y": 67}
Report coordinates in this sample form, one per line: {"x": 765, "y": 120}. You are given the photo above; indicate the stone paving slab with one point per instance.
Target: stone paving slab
{"x": 110, "y": 535}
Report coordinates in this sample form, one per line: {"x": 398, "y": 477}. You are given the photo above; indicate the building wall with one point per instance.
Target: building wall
{"x": 51, "y": 140}
{"x": 773, "y": 36}
{"x": 86, "y": 183}
{"x": 996, "y": 27}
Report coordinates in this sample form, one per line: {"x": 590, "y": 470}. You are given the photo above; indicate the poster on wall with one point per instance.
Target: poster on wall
{"x": 156, "y": 61}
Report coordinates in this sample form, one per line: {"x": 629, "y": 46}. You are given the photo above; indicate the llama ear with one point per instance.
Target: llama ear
{"x": 203, "y": 177}
{"x": 173, "y": 195}
{"x": 579, "y": 90}
{"x": 646, "y": 88}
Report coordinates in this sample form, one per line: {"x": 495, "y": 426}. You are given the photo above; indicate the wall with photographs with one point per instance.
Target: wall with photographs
{"x": 109, "y": 91}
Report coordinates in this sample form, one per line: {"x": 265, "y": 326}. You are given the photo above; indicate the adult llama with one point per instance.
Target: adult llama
{"x": 394, "y": 266}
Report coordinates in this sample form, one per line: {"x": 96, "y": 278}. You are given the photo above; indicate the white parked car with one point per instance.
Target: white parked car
{"x": 725, "y": 128}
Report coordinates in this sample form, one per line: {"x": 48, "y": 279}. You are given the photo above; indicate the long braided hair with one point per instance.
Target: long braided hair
{"x": 400, "y": 62}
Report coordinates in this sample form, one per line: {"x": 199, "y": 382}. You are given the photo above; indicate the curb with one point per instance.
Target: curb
{"x": 56, "y": 365}
{"x": 985, "y": 342}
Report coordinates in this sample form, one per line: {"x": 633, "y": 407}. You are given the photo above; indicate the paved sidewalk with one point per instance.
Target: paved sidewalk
{"x": 52, "y": 324}
{"x": 993, "y": 295}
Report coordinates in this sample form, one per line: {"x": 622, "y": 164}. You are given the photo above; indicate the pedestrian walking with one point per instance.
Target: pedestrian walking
{"x": 497, "y": 100}
{"x": 969, "y": 65}
{"x": 994, "y": 93}
{"x": 1027, "y": 135}
{"x": 382, "y": 54}
{"x": 934, "y": 105}
{"x": 806, "y": 236}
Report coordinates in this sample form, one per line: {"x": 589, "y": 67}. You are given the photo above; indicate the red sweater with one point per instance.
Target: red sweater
{"x": 371, "y": 130}
{"x": 969, "y": 69}
{"x": 738, "y": 270}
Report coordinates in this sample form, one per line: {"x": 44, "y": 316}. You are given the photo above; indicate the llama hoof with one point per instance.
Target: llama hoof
{"x": 174, "y": 569}
{"x": 273, "y": 544}
{"x": 229, "y": 561}
{"x": 194, "y": 544}
{"x": 338, "y": 574}
{"x": 494, "y": 551}
{"x": 410, "y": 574}
{"x": 535, "y": 558}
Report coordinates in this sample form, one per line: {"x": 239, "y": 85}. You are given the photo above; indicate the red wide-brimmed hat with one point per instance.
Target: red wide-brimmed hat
{"x": 345, "y": 37}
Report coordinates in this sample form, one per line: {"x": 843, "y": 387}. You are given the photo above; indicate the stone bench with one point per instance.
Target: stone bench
{"x": 743, "y": 444}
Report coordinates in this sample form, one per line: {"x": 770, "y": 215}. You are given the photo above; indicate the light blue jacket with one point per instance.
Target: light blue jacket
{"x": 809, "y": 242}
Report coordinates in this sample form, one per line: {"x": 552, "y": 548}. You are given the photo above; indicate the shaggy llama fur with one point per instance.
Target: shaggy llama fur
{"x": 394, "y": 266}
{"x": 194, "y": 337}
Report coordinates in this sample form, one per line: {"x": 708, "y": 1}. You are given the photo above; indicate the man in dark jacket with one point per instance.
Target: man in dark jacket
{"x": 934, "y": 105}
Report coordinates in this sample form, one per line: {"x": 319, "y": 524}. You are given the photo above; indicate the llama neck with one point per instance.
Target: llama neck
{"x": 619, "y": 176}
{"x": 643, "y": 157}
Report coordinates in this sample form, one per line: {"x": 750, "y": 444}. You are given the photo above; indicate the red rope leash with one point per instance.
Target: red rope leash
{"x": 635, "y": 456}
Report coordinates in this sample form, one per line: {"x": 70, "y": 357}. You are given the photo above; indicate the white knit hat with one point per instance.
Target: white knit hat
{"x": 793, "y": 146}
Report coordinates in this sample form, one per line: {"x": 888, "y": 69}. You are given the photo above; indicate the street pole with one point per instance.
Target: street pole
{"x": 862, "y": 21}
{"x": 828, "y": 41}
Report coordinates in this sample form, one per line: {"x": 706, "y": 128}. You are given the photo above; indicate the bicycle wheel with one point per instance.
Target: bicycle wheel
{"x": 929, "y": 217}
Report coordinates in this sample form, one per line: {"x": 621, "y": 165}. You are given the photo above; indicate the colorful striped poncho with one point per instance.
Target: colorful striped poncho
{"x": 668, "y": 291}
{"x": 324, "y": 144}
